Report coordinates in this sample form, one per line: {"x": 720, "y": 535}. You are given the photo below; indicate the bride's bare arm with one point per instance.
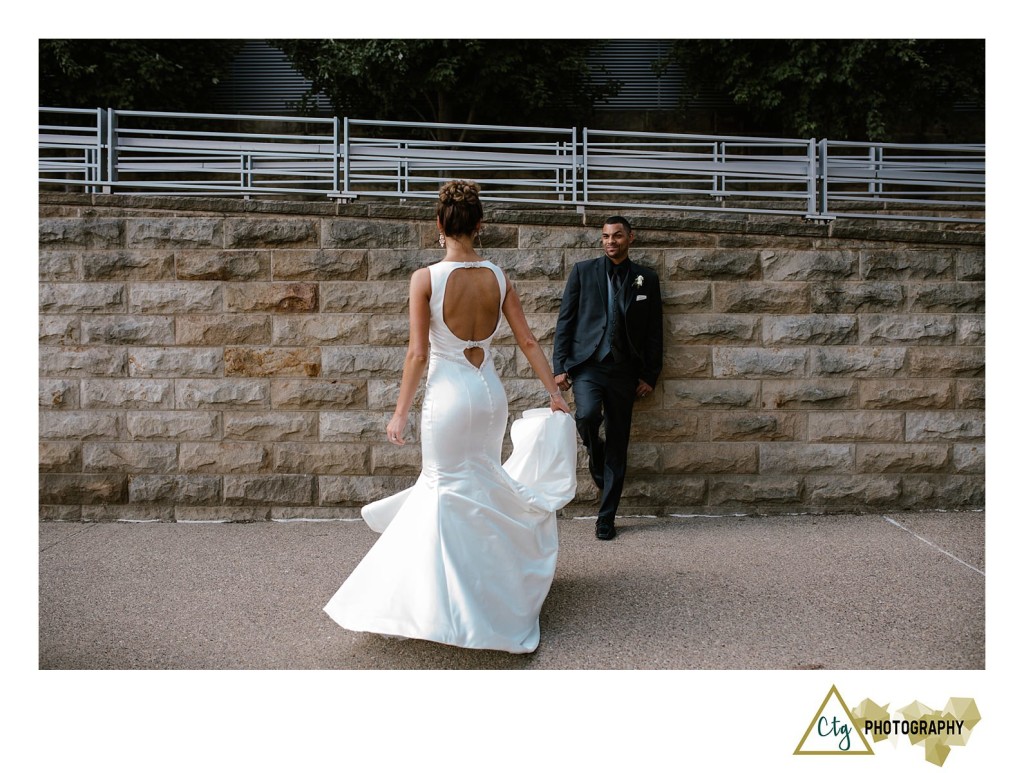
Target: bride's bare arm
{"x": 416, "y": 355}
{"x": 513, "y": 310}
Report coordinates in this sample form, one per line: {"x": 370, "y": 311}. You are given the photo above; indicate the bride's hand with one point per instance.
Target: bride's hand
{"x": 558, "y": 403}
{"x": 395, "y": 429}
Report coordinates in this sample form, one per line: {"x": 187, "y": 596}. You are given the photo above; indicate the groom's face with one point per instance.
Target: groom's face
{"x": 615, "y": 241}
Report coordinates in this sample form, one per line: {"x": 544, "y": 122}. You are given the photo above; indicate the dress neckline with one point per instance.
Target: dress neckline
{"x": 463, "y": 263}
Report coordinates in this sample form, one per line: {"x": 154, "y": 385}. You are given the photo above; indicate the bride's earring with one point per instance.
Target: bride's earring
{"x": 440, "y": 238}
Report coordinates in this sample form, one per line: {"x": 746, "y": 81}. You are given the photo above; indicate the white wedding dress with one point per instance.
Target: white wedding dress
{"x": 467, "y": 555}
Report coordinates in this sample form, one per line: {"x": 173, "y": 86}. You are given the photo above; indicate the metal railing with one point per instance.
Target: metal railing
{"x": 107, "y": 150}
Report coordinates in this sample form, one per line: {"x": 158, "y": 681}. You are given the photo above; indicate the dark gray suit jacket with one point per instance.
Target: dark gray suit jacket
{"x": 583, "y": 316}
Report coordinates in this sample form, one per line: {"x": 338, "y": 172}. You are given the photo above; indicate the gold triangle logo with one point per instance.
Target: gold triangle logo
{"x": 833, "y": 730}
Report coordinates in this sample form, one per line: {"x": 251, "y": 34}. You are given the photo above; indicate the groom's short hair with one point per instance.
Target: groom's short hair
{"x": 619, "y": 220}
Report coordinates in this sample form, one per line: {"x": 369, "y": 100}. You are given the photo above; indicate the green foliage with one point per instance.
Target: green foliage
{"x": 450, "y": 81}
{"x": 173, "y": 75}
{"x": 873, "y": 90}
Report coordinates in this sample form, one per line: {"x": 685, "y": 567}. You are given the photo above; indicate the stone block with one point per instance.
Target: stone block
{"x": 225, "y": 457}
{"x": 79, "y": 425}
{"x": 855, "y": 297}
{"x": 222, "y": 393}
{"x": 644, "y": 493}
{"x": 643, "y": 458}
{"x": 59, "y": 330}
{"x": 730, "y": 458}
{"x": 541, "y": 325}
{"x": 165, "y": 233}
{"x": 735, "y": 361}
{"x": 174, "y": 425}
{"x": 800, "y": 458}
{"x": 698, "y": 263}
{"x": 127, "y": 513}
{"x": 83, "y": 361}
{"x": 679, "y": 297}
{"x": 943, "y": 492}
{"x": 963, "y": 297}
{"x": 930, "y": 426}
{"x": 222, "y": 514}
{"x": 540, "y": 297}
{"x": 130, "y": 457}
{"x": 397, "y": 265}
{"x": 915, "y": 329}
{"x": 352, "y": 234}
{"x": 176, "y": 298}
{"x": 969, "y": 458}
{"x": 322, "y": 458}
{"x": 761, "y": 297}
{"x": 712, "y": 328}
{"x": 686, "y": 362}
{"x": 316, "y": 394}
{"x": 272, "y": 361}
{"x": 525, "y": 393}
{"x": 280, "y": 297}
{"x": 60, "y": 456}
{"x": 278, "y": 426}
{"x": 128, "y": 393}
{"x": 271, "y": 232}
{"x": 90, "y": 232}
{"x": 93, "y": 489}
{"x": 269, "y": 489}
{"x": 357, "y": 297}
{"x": 223, "y": 265}
{"x": 710, "y": 393}
{"x": 58, "y": 393}
{"x": 754, "y": 491}
{"x": 533, "y": 237}
{"x": 94, "y": 298}
{"x": 970, "y": 330}
{"x": 970, "y": 266}
{"x": 320, "y": 265}
{"x": 175, "y": 362}
{"x": 59, "y": 266}
{"x": 856, "y": 491}
{"x": 383, "y": 395}
{"x": 175, "y": 489}
{"x": 535, "y": 264}
{"x": 970, "y": 394}
{"x": 782, "y": 265}
{"x": 314, "y": 329}
{"x": 350, "y": 426}
{"x": 827, "y": 329}
{"x": 220, "y": 329}
{"x": 838, "y": 426}
{"x": 60, "y": 512}
{"x": 742, "y": 425}
{"x": 396, "y": 460}
{"x": 902, "y": 457}
{"x": 351, "y": 362}
{"x": 905, "y": 393}
{"x": 132, "y": 265}
{"x": 358, "y": 490}
{"x": 939, "y": 362}
{"x": 128, "y": 329}
{"x": 663, "y": 426}
{"x": 904, "y": 264}
{"x": 314, "y": 513}
{"x": 857, "y": 361}
{"x": 813, "y": 394}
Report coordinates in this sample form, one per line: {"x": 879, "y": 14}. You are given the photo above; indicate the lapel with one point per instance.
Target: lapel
{"x": 601, "y": 279}
{"x": 629, "y": 291}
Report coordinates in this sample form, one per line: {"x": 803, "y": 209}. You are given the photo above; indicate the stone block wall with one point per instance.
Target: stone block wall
{"x": 208, "y": 359}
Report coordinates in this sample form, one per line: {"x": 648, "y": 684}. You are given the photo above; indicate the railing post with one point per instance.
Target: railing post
{"x": 348, "y": 160}
{"x": 718, "y": 180}
{"x": 335, "y": 159}
{"x": 111, "y": 150}
{"x": 586, "y": 174}
{"x": 823, "y": 165}
{"x": 812, "y": 172}
{"x": 575, "y": 161}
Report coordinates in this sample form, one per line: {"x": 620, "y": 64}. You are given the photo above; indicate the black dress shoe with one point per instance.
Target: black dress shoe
{"x": 605, "y": 530}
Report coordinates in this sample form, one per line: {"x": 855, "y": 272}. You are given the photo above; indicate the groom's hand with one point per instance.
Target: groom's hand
{"x": 562, "y": 381}
{"x": 642, "y": 389}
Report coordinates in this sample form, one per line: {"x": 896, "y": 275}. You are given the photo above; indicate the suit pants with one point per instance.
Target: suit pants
{"x": 605, "y": 392}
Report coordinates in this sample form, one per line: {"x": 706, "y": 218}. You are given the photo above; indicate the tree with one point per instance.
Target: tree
{"x": 172, "y": 75}
{"x": 872, "y": 90}
{"x": 450, "y": 81}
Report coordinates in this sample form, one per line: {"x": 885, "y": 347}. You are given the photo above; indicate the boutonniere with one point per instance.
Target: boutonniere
{"x": 638, "y": 282}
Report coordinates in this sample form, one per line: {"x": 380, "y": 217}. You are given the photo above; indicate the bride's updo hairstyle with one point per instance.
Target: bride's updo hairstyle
{"x": 459, "y": 208}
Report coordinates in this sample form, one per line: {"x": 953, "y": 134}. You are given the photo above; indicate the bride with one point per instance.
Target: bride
{"x": 467, "y": 555}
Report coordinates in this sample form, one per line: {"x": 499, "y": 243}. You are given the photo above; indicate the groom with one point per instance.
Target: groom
{"x": 608, "y": 348}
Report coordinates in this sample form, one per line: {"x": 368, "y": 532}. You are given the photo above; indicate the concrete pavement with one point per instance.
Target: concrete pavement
{"x": 901, "y": 591}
